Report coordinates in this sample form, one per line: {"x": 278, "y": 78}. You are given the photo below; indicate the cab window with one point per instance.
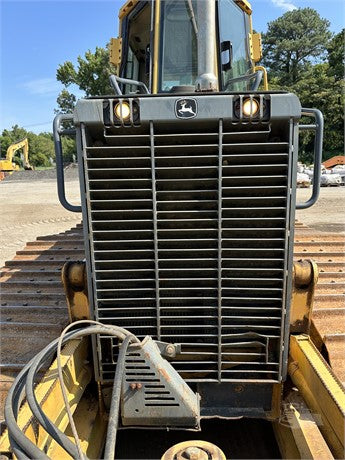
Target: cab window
{"x": 233, "y": 29}
{"x": 137, "y": 62}
{"x": 178, "y": 47}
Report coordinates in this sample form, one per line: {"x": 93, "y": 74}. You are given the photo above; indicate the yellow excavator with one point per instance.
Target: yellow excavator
{"x": 8, "y": 165}
{"x": 192, "y": 333}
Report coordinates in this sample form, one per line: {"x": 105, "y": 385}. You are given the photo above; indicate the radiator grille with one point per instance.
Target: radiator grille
{"x": 188, "y": 240}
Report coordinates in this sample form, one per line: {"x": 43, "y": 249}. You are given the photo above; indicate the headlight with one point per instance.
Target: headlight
{"x": 250, "y": 107}
{"x": 122, "y": 111}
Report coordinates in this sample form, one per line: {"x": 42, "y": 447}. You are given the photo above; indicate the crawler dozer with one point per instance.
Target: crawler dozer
{"x": 192, "y": 328}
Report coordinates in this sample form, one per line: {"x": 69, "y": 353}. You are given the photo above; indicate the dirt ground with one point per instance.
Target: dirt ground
{"x": 328, "y": 214}
{"x": 31, "y": 208}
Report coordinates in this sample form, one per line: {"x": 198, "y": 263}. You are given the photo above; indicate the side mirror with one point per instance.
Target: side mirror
{"x": 226, "y": 46}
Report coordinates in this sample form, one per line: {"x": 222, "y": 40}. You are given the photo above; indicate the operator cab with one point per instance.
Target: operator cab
{"x": 181, "y": 56}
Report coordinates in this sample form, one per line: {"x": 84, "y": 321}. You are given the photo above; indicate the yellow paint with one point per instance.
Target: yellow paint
{"x": 48, "y": 392}
{"x": 321, "y": 390}
{"x": 255, "y": 47}
{"x": 245, "y": 6}
{"x": 7, "y": 164}
{"x": 298, "y": 434}
{"x": 305, "y": 276}
{"x": 260, "y": 67}
{"x": 127, "y": 8}
{"x": 156, "y": 47}
{"x": 115, "y": 51}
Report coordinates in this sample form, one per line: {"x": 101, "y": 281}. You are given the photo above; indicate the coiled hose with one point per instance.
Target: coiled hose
{"x": 23, "y": 385}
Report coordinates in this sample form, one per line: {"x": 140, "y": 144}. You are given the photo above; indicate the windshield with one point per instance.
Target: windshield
{"x": 178, "y": 50}
{"x": 233, "y": 28}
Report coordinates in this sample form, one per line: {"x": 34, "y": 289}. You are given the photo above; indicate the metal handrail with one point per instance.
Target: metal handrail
{"x": 318, "y": 143}
{"x": 58, "y": 132}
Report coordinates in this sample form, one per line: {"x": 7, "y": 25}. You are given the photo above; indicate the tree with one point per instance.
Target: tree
{"x": 336, "y": 55}
{"x": 41, "y": 146}
{"x": 321, "y": 90}
{"x": 91, "y": 75}
{"x": 66, "y": 102}
{"x": 293, "y": 42}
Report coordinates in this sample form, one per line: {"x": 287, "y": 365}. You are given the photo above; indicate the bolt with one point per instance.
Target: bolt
{"x": 135, "y": 386}
{"x": 170, "y": 350}
{"x": 239, "y": 388}
{"x": 194, "y": 453}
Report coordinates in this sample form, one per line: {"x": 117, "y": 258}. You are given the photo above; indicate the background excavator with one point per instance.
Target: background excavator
{"x": 202, "y": 327}
{"x": 8, "y": 165}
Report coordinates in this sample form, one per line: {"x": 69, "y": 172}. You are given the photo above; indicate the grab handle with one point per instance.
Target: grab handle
{"x": 318, "y": 142}
{"x": 58, "y": 132}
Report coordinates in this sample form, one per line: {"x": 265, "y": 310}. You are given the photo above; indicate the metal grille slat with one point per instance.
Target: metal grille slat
{"x": 188, "y": 239}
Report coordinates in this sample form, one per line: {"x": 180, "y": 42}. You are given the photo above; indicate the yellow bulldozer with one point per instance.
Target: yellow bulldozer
{"x": 189, "y": 331}
{"x": 7, "y": 165}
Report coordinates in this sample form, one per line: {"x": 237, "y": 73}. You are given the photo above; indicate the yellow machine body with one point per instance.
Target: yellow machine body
{"x": 8, "y": 165}
{"x": 308, "y": 421}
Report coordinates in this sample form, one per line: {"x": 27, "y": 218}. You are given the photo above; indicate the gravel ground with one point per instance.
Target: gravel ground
{"x": 71, "y": 173}
{"x": 328, "y": 214}
{"x": 29, "y": 208}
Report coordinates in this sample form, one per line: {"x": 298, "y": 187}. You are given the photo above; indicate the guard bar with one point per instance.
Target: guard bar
{"x": 58, "y": 132}
{"x": 318, "y": 142}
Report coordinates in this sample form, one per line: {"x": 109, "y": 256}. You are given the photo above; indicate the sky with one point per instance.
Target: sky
{"x": 37, "y": 36}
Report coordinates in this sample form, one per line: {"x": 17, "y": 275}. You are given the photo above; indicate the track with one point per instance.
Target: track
{"x": 328, "y": 251}
{"x": 33, "y": 307}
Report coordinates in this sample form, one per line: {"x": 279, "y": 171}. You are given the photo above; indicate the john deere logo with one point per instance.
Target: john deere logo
{"x": 186, "y": 108}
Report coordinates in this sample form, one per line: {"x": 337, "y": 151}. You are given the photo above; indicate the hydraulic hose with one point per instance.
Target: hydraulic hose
{"x": 20, "y": 444}
{"x": 22, "y": 447}
{"x": 36, "y": 409}
{"x": 109, "y": 452}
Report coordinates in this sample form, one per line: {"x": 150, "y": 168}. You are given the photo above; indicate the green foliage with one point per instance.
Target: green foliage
{"x": 69, "y": 149}
{"x": 296, "y": 47}
{"x": 293, "y": 42}
{"x": 91, "y": 75}
{"x": 66, "y": 102}
{"x": 336, "y": 55}
{"x": 41, "y": 146}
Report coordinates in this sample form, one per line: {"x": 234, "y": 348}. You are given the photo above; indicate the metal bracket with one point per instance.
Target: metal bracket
{"x": 115, "y": 51}
{"x": 115, "y": 80}
{"x": 59, "y": 131}
{"x": 255, "y": 46}
{"x": 153, "y": 393}
{"x": 74, "y": 280}
{"x": 168, "y": 350}
{"x": 318, "y": 143}
{"x": 305, "y": 276}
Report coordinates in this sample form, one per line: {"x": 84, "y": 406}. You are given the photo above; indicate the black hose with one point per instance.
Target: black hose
{"x": 109, "y": 451}
{"x": 22, "y": 447}
{"x": 19, "y": 442}
{"x": 36, "y": 409}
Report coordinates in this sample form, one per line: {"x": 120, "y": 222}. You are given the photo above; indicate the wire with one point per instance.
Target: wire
{"x": 120, "y": 333}
{"x": 22, "y": 447}
{"x": 109, "y": 452}
{"x": 37, "y": 411}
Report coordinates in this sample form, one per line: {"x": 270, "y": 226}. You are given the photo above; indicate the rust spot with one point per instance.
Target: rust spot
{"x": 165, "y": 374}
